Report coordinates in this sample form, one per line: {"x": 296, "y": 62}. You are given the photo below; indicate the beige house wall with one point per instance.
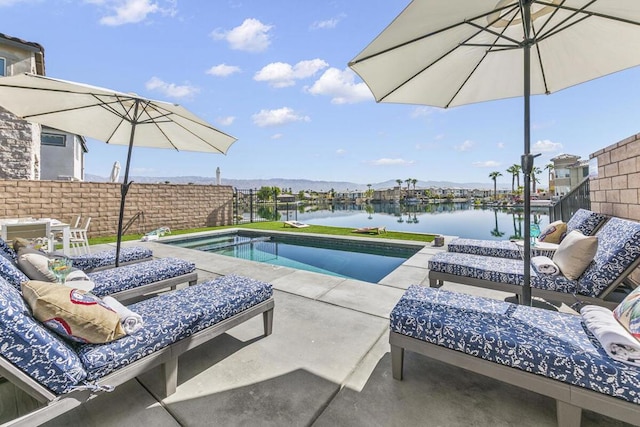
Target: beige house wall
{"x": 616, "y": 190}
{"x": 176, "y": 206}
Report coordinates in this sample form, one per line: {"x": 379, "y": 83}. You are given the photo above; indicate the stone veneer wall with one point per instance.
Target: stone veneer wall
{"x": 616, "y": 190}
{"x": 177, "y": 206}
{"x": 19, "y": 148}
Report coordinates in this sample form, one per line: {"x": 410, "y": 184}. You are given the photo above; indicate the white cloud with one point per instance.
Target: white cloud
{"x": 277, "y": 136}
{"x": 341, "y": 151}
{"x": 251, "y": 36}
{"x": 277, "y": 117}
{"x": 133, "y": 11}
{"x": 546, "y": 146}
{"x": 171, "y": 89}
{"x": 11, "y": 2}
{"x": 465, "y": 146}
{"x": 327, "y": 24}
{"x": 223, "y": 70}
{"x": 422, "y": 111}
{"x": 391, "y": 162}
{"x": 281, "y": 74}
{"x": 341, "y": 86}
{"x": 225, "y": 121}
{"x": 487, "y": 164}
{"x": 500, "y": 145}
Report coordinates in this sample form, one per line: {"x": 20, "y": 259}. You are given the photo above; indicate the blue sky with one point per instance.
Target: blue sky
{"x": 274, "y": 74}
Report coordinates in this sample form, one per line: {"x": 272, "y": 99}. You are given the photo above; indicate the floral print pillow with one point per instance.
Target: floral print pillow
{"x": 627, "y": 313}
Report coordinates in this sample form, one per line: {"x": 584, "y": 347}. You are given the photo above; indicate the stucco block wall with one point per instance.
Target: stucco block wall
{"x": 616, "y": 190}
{"x": 177, "y": 206}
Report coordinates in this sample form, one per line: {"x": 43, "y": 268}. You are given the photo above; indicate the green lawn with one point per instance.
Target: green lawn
{"x": 279, "y": 226}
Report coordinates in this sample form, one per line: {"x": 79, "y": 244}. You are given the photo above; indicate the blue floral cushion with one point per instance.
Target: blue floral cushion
{"x": 11, "y": 273}
{"x": 173, "y": 316}
{"x": 135, "y": 275}
{"x": 547, "y": 343}
{"x": 494, "y": 248}
{"x": 618, "y": 248}
{"x": 585, "y": 221}
{"x": 28, "y": 345}
{"x": 479, "y": 267}
{"x": 7, "y": 251}
{"x": 108, "y": 258}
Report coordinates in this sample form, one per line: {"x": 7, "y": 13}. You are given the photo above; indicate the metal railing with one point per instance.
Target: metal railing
{"x": 577, "y": 198}
{"x": 248, "y": 208}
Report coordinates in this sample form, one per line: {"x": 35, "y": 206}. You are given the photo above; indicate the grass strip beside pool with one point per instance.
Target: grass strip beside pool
{"x": 279, "y": 226}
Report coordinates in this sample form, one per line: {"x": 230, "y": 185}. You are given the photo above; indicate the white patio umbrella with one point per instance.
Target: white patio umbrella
{"x": 115, "y": 172}
{"x": 110, "y": 116}
{"x": 447, "y": 53}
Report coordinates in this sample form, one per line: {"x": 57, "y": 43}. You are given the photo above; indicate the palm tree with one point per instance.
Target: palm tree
{"x": 550, "y": 168}
{"x": 414, "y": 182}
{"x": 408, "y": 181}
{"x": 514, "y": 170}
{"x": 399, "y": 181}
{"x": 494, "y": 176}
{"x": 535, "y": 171}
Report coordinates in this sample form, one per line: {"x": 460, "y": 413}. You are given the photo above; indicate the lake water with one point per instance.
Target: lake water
{"x": 452, "y": 219}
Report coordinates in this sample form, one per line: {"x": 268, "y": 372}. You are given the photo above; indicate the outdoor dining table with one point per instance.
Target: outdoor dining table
{"x": 55, "y": 226}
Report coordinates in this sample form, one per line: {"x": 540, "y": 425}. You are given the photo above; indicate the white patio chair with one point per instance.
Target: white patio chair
{"x": 40, "y": 231}
{"x": 79, "y": 241}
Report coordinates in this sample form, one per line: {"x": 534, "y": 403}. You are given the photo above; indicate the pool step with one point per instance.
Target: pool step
{"x": 237, "y": 241}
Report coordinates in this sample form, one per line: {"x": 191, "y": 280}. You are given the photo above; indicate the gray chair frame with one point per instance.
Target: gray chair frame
{"x": 570, "y": 399}
{"x": 167, "y": 357}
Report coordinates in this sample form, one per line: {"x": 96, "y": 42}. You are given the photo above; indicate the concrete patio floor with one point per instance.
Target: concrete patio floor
{"x": 327, "y": 363}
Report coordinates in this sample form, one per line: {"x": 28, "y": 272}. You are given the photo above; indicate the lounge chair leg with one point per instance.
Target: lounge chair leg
{"x": 267, "y": 320}
{"x": 170, "y": 369}
{"x": 193, "y": 282}
{"x": 435, "y": 283}
{"x": 568, "y": 415}
{"x": 397, "y": 361}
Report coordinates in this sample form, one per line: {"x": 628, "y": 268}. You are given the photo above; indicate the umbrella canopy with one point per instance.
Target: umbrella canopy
{"x": 447, "y": 53}
{"x": 110, "y": 116}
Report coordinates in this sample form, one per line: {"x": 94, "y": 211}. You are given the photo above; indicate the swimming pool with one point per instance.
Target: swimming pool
{"x": 366, "y": 261}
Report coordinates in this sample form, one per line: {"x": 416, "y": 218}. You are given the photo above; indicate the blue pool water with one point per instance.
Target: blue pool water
{"x": 369, "y": 262}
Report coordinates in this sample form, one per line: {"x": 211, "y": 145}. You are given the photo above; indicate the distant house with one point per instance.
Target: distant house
{"x": 28, "y": 150}
{"x": 568, "y": 172}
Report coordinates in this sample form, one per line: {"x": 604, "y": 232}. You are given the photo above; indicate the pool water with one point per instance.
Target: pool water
{"x": 369, "y": 262}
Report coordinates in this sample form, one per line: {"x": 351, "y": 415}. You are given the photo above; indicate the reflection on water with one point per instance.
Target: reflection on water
{"x": 452, "y": 219}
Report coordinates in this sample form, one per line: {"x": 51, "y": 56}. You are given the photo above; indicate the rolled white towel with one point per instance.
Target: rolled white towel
{"x": 619, "y": 344}
{"x": 130, "y": 321}
{"x": 545, "y": 265}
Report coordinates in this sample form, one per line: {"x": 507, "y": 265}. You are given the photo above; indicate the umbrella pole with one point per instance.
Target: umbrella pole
{"x": 125, "y": 183}
{"x": 527, "y": 158}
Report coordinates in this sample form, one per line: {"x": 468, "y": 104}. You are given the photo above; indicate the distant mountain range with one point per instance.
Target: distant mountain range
{"x": 299, "y": 184}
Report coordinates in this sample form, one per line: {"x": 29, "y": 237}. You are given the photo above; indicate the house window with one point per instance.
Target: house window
{"x": 53, "y": 139}
{"x": 3, "y": 67}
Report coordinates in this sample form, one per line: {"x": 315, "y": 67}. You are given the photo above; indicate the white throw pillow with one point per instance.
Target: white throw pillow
{"x": 35, "y": 266}
{"x": 575, "y": 253}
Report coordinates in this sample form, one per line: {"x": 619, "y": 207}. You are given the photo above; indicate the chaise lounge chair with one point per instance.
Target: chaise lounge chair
{"x": 618, "y": 254}
{"x": 126, "y": 282}
{"x": 585, "y": 221}
{"x": 539, "y": 350}
{"x": 62, "y": 376}
{"x": 370, "y": 230}
{"x": 94, "y": 261}
{"x": 294, "y": 224}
